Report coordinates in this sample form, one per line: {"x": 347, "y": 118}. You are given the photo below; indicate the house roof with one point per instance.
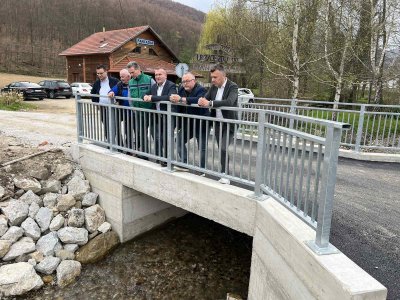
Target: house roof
{"x": 109, "y": 41}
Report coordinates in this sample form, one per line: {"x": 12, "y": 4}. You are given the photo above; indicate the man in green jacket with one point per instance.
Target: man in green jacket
{"x": 139, "y": 85}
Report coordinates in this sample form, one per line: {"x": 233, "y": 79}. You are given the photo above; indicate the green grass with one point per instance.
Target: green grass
{"x": 374, "y": 125}
{"x": 18, "y": 106}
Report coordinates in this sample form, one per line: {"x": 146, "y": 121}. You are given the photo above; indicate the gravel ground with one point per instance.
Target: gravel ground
{"x": 365, "y": 223}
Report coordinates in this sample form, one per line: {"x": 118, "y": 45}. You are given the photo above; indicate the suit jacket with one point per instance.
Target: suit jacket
{"x": 229, "y": 98}
{"x": 96, "y": 87}
{"x": 168, "y": 90}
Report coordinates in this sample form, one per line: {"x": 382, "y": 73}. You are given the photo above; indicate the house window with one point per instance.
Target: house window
{"x": 137, "y": 50}
{"x": 152, "y": 52}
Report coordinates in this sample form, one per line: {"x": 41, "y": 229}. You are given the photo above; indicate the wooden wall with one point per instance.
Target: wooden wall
{"x": 78, "y": 64}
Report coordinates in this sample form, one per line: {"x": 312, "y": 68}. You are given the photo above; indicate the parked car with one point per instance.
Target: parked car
{"x": 56, "y": 88}
{"x": 28, "y": 89}
{"x": 81, "y": 88}
{"x": 245, "y": 95}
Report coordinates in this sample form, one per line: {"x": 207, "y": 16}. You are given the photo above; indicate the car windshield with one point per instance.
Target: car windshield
{"x": 30, "y": 84}
{"x": 86, "y": 85}
{"x": 243, "y": 91}
{"x": 63, "y": 84}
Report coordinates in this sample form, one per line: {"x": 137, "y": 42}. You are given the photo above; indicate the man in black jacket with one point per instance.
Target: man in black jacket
{"x": 102, "y": 87}
{"x": 223, "y": 92}
{"x": 160, "y": 92}
{"x": 189, "y": 94}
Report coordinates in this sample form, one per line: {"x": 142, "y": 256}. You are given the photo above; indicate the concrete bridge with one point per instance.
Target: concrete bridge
{"x": 139, "y": 195}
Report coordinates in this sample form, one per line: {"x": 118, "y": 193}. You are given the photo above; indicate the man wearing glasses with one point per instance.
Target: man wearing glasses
{"x": 189, "y": 94}
{"x": 101, "y": 87}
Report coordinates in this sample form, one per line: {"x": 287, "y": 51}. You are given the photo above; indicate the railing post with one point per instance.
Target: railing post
{"x": 111, "y": 127}
{"x": 79, "y": 118}
{"x": 360, "y": 128}
{"x": 260, "y": 161}
{"x": 170, "y": 137}
{"x": 326, "y": 196}
{"x": 293, "y": 105}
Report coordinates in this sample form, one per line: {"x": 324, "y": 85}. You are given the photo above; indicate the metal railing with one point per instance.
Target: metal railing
{"x": 373, "y": 127}
{"x": 296, "y": 168}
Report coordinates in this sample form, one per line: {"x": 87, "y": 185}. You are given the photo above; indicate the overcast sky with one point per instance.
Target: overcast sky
{"x": 203, "y": 5}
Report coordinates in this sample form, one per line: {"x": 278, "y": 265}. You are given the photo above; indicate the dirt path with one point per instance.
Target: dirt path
{"x": 54, "y": 106}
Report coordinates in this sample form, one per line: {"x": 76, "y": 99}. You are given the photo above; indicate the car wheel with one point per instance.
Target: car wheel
{"x": 67, "y": 97}
{"x": 251, "y": 101}
{"x": 41, "y": 98}
{"x": 51, "y": 95}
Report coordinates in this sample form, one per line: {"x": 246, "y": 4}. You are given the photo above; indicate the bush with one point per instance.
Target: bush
{"x": 10, "y": 98}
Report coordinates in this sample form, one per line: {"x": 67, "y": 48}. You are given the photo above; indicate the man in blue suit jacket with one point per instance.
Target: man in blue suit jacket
{"x": 160, "y": 92}
{"x": 188, "y": 95}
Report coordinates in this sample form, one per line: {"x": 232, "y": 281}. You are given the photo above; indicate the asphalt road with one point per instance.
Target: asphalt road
{"x": 366, "y": 218}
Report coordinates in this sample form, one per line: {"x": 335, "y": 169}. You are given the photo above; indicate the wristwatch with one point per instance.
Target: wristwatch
{"x": 180, "y": 99}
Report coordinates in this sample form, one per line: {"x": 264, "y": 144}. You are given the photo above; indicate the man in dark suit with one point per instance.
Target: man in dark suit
{"x": 222, "y": 93}
{"x": 101, "y": 87}
{"x": 160, "y": 92}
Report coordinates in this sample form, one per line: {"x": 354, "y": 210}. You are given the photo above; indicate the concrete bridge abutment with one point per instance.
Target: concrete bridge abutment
{"x": 138, "y": 195}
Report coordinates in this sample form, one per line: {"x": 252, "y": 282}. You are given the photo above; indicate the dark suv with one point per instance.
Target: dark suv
{"x": 56, "y": 88}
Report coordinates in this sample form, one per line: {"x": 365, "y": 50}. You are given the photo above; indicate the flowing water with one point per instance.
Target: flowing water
{"x": 189, "y": 258}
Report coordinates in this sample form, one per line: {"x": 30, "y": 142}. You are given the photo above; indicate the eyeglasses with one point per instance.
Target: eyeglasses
{"x": 186, "y": 81}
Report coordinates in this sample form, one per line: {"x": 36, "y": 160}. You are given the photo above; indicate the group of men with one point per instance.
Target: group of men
{"x": 193, "y": 99}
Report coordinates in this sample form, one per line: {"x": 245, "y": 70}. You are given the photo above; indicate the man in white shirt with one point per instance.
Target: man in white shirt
{"x": 161, "y": 91}
{"x": 101, "y": 87}
{"x": 223, "y": 92}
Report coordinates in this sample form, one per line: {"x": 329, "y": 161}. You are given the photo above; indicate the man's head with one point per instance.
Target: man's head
{"x": 134, "y": 69}
{"x": 160, "y": 75}
{"x": 218, "y": 75}
{"x": 101, "y": 72}
{"x": 124, "y": 75}
{"x": 188, "y": 82}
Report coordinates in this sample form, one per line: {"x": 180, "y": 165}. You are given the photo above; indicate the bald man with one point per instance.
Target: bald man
{"x": 188, "y": 95}
{"x": 161, "y": 91}
{"x": 121, "y": 89}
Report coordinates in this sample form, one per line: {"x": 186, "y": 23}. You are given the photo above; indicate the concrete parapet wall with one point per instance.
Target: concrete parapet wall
{"x": 284, "y": 267}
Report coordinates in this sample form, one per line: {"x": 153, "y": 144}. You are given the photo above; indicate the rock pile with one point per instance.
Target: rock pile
{"x": 47, "y": 216}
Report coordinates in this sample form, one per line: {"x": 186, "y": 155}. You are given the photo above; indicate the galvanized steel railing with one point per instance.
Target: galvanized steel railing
{"x": 374, "y": 127}
{"x": 266, "y": 154}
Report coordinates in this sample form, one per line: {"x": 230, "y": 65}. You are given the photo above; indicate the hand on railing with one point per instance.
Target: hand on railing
{"x": 147, "y": 98}
{"x": 203, "y": 102}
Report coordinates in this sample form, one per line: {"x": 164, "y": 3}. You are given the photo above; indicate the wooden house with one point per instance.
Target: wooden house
{"x": 116, "y": 48}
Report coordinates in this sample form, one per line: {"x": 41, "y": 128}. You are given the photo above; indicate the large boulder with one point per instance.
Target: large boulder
{"x": 57, "y": 223}
{"x": 62, "y": 171}
{"x": 31, "y": 229}
{"x": 76, "y": 217}
{"x": 16, "y": 212}
{"x": 73, "y": 235}
{"x": 50, "y": 200}
{"x": 24, "y": 246}
{"x": 67, "y": 272}
{"x": 50, "y": 186}
{"x": 27, "y": 184}
{"x": 13, "y": 234}
{"x": 78, "y": 187}
{"x": 98, "y": 248}
{"x": 94, "y": 217}
{"x": 65, "y": 202}
{"x": 43, "y": 218}
{"x": 90, "y": 199}
{"x": 17, "y": 279}
{"x": 40, "y": 173}
{"x": 48, "y": 265}
{"x": 47, "y": 243}
{"x": 29, "y": 197}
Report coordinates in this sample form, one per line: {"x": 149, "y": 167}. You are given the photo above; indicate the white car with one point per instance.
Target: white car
{"x": 245, "y": 95}
{"x": 81, "y": 88}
